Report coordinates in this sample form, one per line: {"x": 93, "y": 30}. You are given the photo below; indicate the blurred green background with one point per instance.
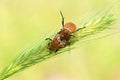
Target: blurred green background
{"x": 23, "y": 22}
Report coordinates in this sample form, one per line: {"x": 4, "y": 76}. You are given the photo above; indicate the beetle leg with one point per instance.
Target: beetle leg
{"x": 69, "y": 46}
{"x": 48, "y": 39}
{"x": 68, "y": 43}
{"x": 48, "y": 45}
{"x": 49, "y": 42}
{"x": 62, "y": 18}
{"x": 72, "y": 35}
{"x": 58, "y": 32}
{"x": 56, "y": 50}
{"x": 80, "y": 28}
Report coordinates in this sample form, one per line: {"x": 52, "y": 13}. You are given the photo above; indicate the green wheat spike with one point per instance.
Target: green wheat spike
{"x": 101, "y": 20}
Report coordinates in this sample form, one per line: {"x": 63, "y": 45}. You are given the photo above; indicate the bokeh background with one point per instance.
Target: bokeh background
{"x": 23, "y": 22}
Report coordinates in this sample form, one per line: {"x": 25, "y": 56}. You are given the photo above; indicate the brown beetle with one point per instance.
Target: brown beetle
{"x": 62, "y": 38}
{"x": 56, "y": 43}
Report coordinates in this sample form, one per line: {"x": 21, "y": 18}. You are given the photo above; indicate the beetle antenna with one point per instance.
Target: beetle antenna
{"x": 62, "y": 18}
{"x": 69, "y": 47}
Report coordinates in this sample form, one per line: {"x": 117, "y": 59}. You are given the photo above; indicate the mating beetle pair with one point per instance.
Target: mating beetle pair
{"x": 62, "y": 38}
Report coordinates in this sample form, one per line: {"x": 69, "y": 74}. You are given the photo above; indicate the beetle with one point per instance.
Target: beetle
{"x": 56, "y": 43}
{"x": 62, "y": 38}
